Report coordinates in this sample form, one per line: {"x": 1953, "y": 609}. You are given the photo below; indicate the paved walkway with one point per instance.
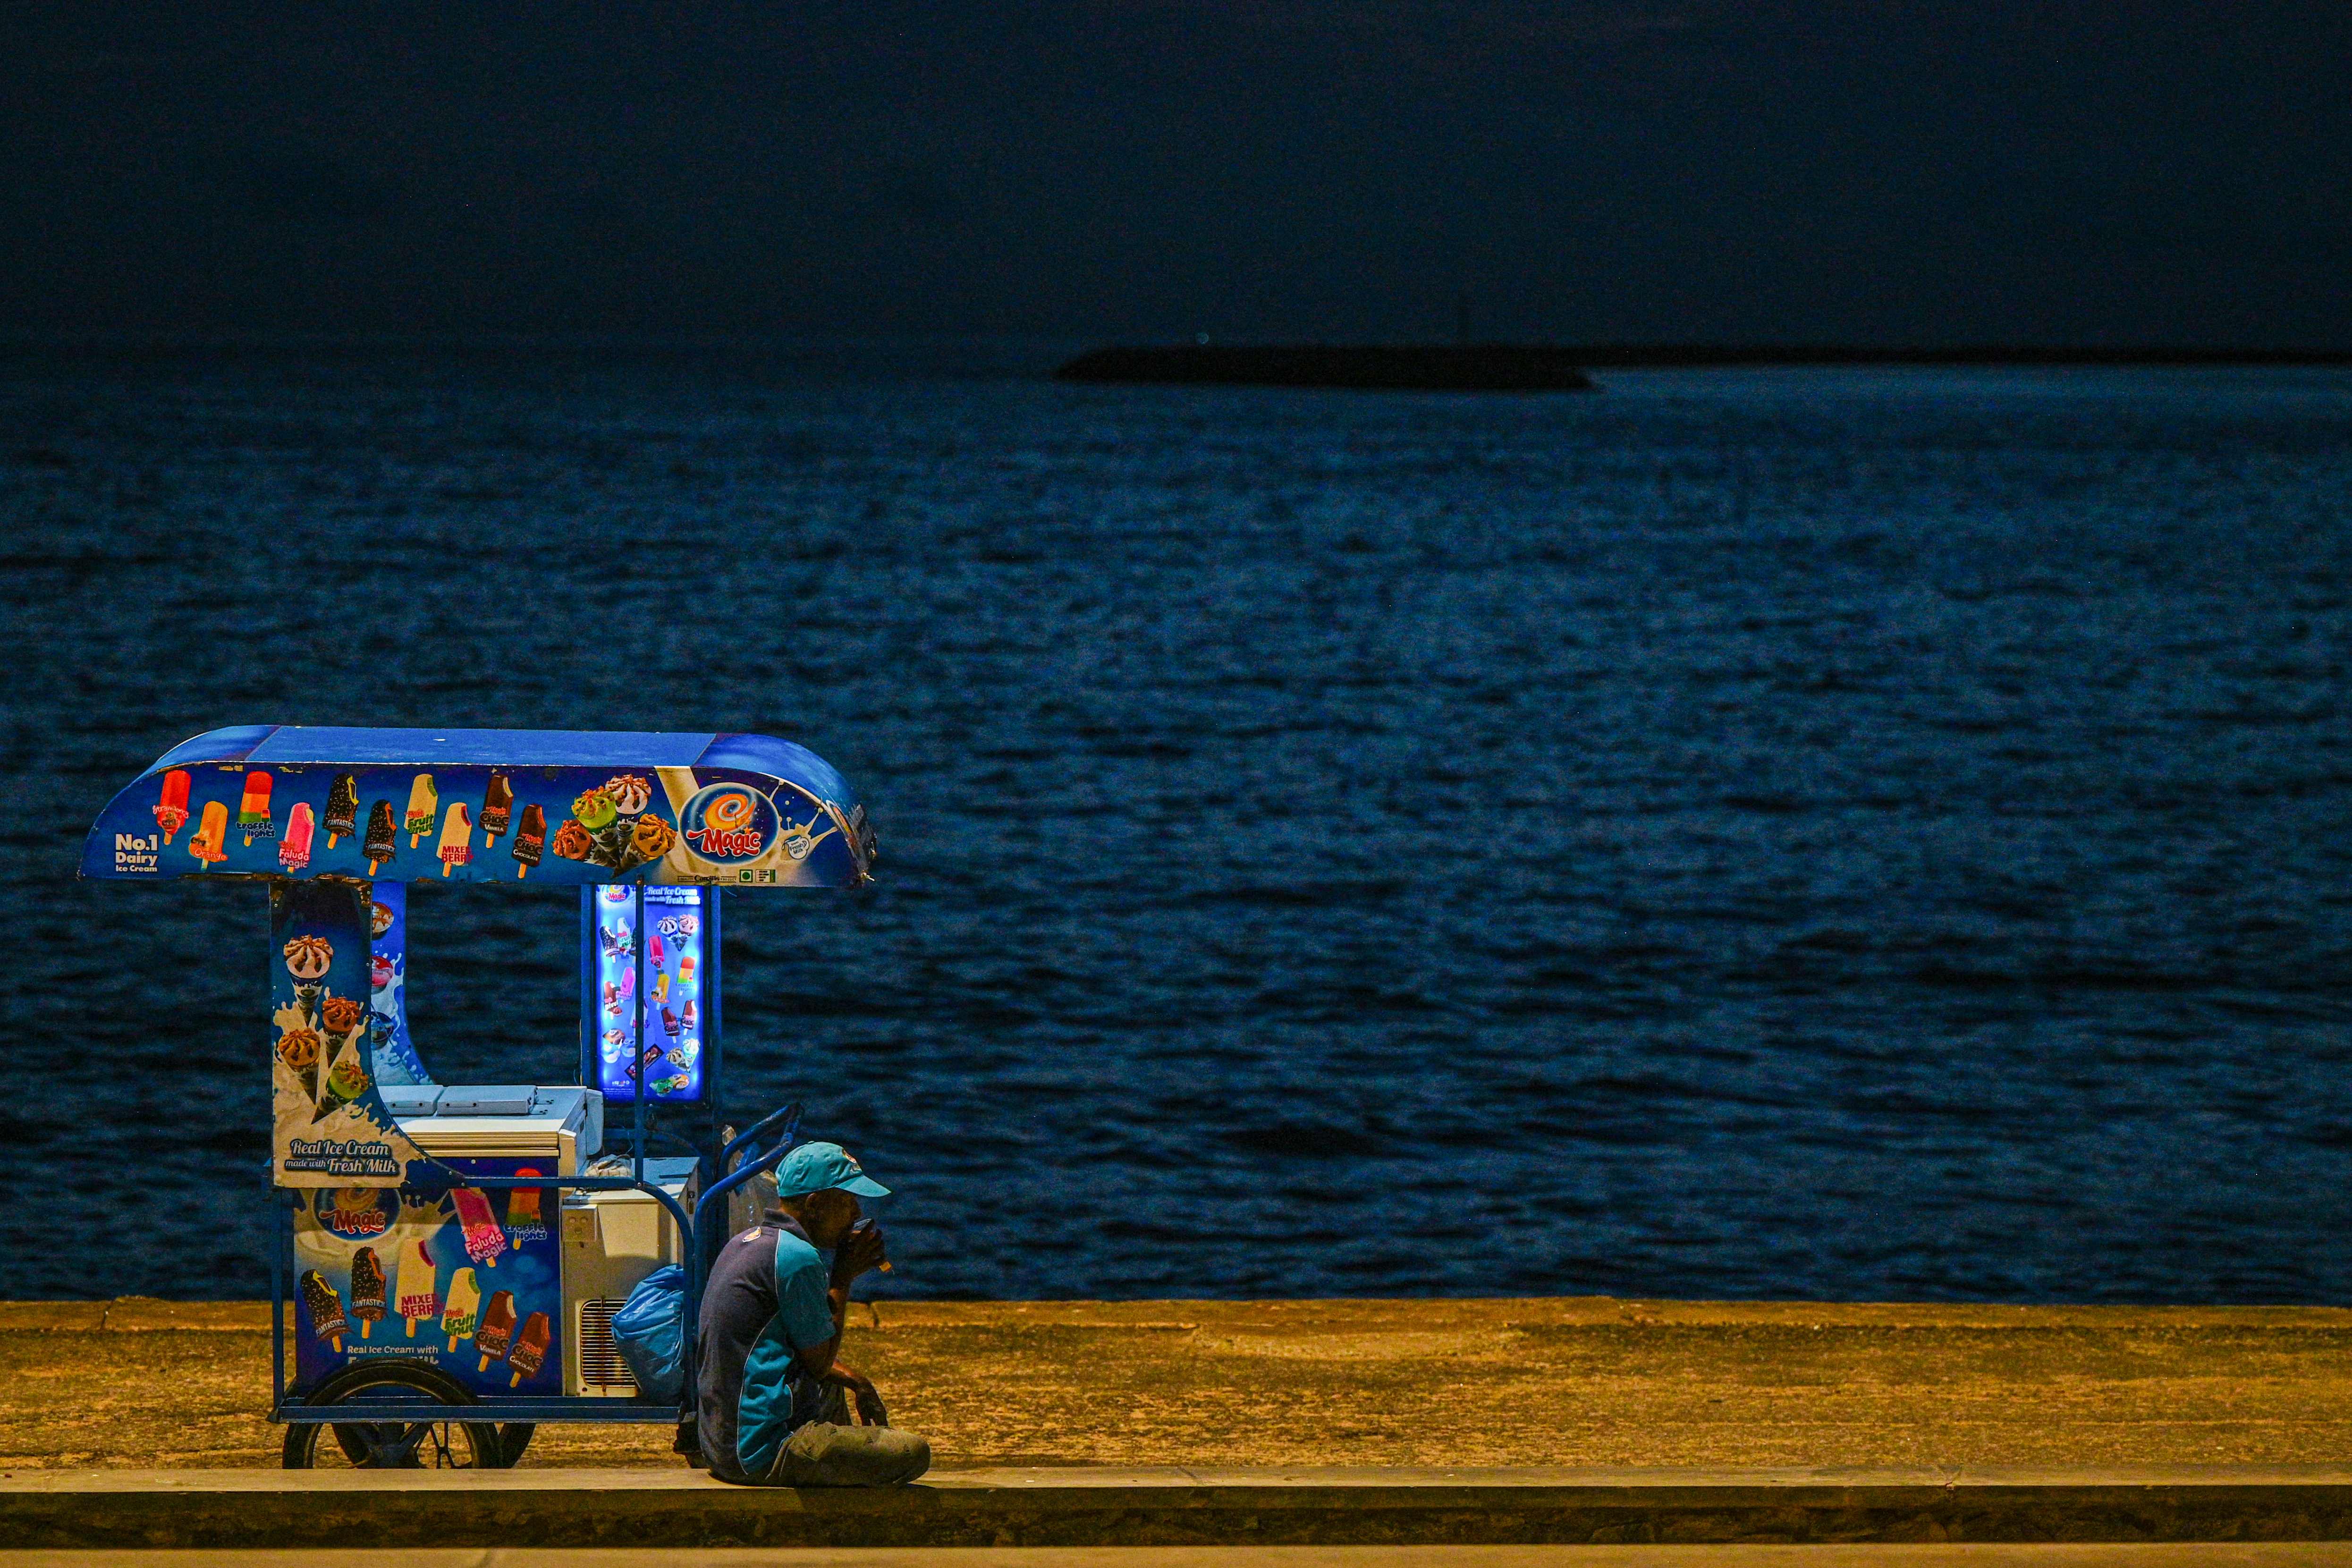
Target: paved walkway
{"x": 1487, "y": 1383}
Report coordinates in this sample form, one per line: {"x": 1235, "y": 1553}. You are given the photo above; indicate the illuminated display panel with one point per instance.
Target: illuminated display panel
{"x": 669, "y": 963}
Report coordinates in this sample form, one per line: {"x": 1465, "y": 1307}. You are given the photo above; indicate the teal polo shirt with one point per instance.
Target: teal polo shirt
{"x": 764, "y": 1304}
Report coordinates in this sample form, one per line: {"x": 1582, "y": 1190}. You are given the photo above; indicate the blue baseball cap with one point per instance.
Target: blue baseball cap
{"x": 813, "y": 1167}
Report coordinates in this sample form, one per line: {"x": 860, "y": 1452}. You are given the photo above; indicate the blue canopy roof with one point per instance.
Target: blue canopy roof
{"x": 562, "y": 806}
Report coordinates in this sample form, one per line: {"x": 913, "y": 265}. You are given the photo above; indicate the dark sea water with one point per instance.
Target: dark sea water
{"x": 1749, "y": 834}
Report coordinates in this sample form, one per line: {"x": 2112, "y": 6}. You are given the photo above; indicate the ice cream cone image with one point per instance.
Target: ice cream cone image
{"x": 345, "y": 1082}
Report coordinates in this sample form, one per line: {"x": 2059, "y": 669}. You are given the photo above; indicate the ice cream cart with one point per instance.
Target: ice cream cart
{"x": 449, "y": 1257}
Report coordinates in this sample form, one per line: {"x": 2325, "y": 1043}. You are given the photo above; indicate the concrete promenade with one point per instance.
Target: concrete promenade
{"x": 1448, "y": 1384}
{"x": 1342, "y": 1426}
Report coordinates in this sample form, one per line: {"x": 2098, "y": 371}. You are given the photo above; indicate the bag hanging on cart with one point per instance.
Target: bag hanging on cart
{"x": 650, "y": 1330}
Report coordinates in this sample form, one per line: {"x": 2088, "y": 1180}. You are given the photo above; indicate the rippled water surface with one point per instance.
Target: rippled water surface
{"x": 1738, "y": 835}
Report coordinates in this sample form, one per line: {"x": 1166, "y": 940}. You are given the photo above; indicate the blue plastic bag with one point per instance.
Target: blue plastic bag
{"x": 650, "y": 1330}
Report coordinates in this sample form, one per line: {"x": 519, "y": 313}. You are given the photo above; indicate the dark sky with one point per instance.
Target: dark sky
{"x": 1678, "y": 169}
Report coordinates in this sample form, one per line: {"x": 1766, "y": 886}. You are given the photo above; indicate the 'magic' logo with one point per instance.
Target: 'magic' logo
{"x": 728, "y": 823}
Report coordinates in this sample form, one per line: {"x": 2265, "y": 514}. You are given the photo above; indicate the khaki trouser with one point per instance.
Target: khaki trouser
{"x": 830, "y": 1452}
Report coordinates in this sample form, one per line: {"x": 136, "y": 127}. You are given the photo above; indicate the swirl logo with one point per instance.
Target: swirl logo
{"x": 352, "y": 1213}
{"x": 729, "y": 823}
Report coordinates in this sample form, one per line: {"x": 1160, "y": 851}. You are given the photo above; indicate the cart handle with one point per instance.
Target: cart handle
{"x": 750, "y": 1168}
{"x": 690, "y": 1310}
{"x": 757, "y": 1128}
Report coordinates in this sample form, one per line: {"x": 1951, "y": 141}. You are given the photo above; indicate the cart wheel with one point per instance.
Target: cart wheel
{"x": 513, "y": 1439}
{"x": 394, "y": 1445}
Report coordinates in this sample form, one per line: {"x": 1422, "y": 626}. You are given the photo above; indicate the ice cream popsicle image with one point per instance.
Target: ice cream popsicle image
{"x": 529, "y": 1352}
{"x": 415, "y": 1293}
{"x": 687, "y": 1013}
{"x": 530, "y": 840}
{"x": 661, "y": 985}
{"x": 326, "y": 1308}
{"x": 212, "y": 833}
{"x": 457, "y": 1312}
{"x": 253, "y": 811}
{"x": 497, "y": 1330}
{"x": 655, "y": 948}
{"x": 628, "y": 982}
{"x": 670, "y": 1022}
{"x": 367, "y": 1289}
{"x": 423, "y": 804}
{"x": 342, "y": 807}
{"x": 171, "y": 810}
{"x": 523, "y": 1209}
{"x": 484, "y": 1239}
{"x": 457, "y": 837}
{"x": 346, "y": 1081}
{"x": 686, "y": 969}
{"x": 498, "y": 806}
{"x": 383, "y": 835}
{"x": 295, "y": 853}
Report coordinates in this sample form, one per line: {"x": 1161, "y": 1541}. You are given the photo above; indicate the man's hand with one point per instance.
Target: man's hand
{"x": 861, "y": 1390}
{"x": 860, "y": 1251}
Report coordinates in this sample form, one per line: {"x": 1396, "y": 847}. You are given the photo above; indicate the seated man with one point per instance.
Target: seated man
{"x": 771, "y": 1405}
